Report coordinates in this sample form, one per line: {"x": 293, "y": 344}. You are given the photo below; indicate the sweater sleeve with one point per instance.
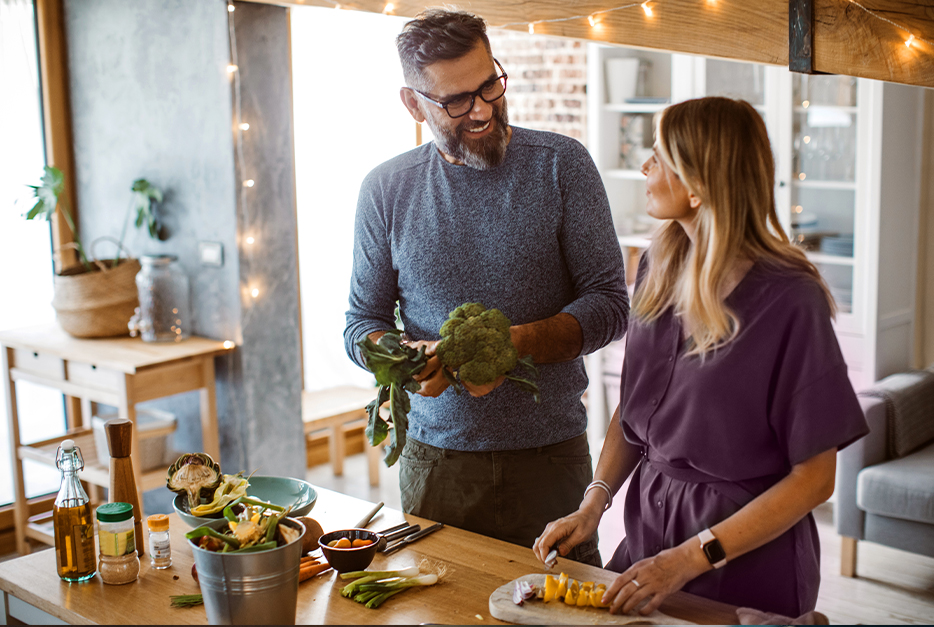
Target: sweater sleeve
{"x": 373, "y": 281}
{"x": 592, "y": 252}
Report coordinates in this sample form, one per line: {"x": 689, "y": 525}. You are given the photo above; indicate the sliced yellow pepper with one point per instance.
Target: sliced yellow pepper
{"x": 551, "y": 587}
{"x": 583, "y": 599}
{"x": 562, "y": 586}
{"x": 233, "y": 525}
{"x": 571, "y": 596}
{"x": 596, "y": 596}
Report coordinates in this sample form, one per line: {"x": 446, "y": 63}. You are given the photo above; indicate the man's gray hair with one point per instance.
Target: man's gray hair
{"x": 437, "y": 35}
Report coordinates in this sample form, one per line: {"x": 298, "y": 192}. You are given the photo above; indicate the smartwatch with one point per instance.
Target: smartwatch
{"x": 712, "y": 548}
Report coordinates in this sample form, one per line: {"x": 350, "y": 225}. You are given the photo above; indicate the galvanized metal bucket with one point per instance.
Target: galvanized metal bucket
{"x": 250, "y": 588}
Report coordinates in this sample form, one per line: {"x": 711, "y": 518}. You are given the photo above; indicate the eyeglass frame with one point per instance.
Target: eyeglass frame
{"x": 473, "y": 95}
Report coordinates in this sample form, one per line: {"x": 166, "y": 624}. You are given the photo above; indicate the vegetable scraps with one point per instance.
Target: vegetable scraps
{"x": 476, "y": 347}
{"x": 252, "y": 525}
{"x": 194, "y": 474}
{"x": 372, "y": 588}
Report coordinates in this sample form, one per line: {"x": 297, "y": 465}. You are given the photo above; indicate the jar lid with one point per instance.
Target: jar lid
{"x": 157, "y": 260}
{"x": 114, "y": 512}
{"x": 158, "y": 522}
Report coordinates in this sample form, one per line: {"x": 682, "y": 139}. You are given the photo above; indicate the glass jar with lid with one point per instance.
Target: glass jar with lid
{"x": 117, "y": 540}
{"x": 164, "y": 313}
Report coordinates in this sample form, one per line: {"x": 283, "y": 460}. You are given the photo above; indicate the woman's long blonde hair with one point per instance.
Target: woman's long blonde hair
{"x": 720, "y": 150}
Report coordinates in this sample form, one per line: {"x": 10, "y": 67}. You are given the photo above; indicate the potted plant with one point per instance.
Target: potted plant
{"x": 95, "y": 298}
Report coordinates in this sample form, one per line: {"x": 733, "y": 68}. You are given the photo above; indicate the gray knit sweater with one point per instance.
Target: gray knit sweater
{"x": 532, "y": 237}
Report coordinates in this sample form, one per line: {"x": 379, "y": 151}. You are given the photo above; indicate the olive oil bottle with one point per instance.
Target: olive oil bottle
{"x": 71, "y": 516}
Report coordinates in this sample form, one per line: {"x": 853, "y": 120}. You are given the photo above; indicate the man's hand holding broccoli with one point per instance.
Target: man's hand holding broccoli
{"x": 475, "y": 353}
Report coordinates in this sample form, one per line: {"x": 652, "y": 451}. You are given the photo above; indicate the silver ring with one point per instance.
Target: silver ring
{"x": 638, "y": 585}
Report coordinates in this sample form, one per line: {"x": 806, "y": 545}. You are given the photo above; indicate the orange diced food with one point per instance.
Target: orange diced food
{"x": 361, "y": 542}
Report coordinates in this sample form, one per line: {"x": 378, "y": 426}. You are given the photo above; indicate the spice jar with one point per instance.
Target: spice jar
{"x": 164, "y": 313}
{"x": 119, "y": 562}
{"x": 160, "y": 550}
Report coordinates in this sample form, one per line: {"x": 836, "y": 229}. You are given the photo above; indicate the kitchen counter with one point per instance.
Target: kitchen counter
{"x": 476, "y": 566}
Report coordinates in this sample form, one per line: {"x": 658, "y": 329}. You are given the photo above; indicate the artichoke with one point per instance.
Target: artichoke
{"x": 194, "y": 474}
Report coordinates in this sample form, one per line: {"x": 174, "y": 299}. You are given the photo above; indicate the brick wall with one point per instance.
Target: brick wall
{"x": 547, "y": 87}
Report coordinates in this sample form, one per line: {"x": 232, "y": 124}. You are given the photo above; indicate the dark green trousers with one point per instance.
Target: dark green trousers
{"x": 508, "y": 495}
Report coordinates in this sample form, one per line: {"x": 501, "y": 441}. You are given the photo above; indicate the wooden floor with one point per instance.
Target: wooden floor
{"x": 893, "y": 587}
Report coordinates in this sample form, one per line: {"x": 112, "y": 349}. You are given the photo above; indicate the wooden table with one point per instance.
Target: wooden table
{"x": 119, "y": 372}
{"x": 477, "y": 565}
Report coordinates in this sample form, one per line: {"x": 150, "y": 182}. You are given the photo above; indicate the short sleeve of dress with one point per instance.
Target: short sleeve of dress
{"x": 814, "y": 407}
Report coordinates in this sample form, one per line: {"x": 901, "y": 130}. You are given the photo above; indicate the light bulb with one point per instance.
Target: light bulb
{"x": 909, "y": 41}
{"x": 531, "y": 28}
{"x": 231, "y": 8}
{"x": 806, "y": 104}
{"x": 389, "y": 7}
{"x": 592, "y": 20}
{"x": 647, "y": 9}
{"x": 254, "y": 292}
{"x": 807, "y": 139}
{"x": 232, "y": 68}
{"x": 802, "y": 176}
{"x": 250, "y": 240}
{"x": 228, "y": 344}
{"x": 249, "y": 183}
{"x": 245, "y": 126}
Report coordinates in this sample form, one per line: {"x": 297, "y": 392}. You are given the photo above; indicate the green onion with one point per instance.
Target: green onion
{"x": 186, "y": 600}
{"x": 207, "y": 531}
{"x": 411, "y": 571}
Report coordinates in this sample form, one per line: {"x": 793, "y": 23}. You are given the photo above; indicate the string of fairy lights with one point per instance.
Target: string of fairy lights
{"x": 595, "y": 18}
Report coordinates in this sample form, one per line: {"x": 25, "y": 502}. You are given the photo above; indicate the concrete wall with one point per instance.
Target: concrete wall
{"x": 151, "y": 97}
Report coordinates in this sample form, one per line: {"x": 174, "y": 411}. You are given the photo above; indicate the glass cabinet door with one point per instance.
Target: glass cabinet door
{"x": 823, "y": 199}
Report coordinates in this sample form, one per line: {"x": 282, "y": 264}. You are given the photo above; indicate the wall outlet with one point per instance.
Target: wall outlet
{"x": 211, "y": 253}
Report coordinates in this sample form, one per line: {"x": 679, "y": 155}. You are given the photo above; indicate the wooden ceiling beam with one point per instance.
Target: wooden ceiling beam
{"x": 847, "y": 38}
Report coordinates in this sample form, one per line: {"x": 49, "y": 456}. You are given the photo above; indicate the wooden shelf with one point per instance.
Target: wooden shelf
{"x": 94, "y": 472}
{"x": 634, "y": 241}
{"x": 819, "y": 184}
{"x": 837, "y": 260}
{"x": 635, "y": 107}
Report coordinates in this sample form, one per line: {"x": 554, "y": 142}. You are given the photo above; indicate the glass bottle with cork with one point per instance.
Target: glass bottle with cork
{"x": 71, "y": 519}
{"x": 117, "y": 540}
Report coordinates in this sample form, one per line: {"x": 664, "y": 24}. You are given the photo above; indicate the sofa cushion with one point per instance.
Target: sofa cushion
{"x": 901, "y": 488}
{"x": 909, "y": 401}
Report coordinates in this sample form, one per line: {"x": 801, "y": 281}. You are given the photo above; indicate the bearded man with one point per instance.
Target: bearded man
{"x": 511, "y": 218}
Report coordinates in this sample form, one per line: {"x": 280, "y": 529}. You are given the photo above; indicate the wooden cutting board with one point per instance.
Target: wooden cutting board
{"x": 537, "y": 612}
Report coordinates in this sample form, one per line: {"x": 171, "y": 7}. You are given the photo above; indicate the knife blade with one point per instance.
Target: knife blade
{"x": 412, "y": 538}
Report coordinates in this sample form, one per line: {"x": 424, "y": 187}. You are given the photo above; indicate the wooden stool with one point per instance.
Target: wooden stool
{"x": 337, "y": 409}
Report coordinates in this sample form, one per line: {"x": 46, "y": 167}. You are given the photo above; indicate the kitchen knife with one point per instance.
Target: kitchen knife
{"x": 412, "y": 538}
{"x": 366, "y": 519}
{"x": 396, "y": 533}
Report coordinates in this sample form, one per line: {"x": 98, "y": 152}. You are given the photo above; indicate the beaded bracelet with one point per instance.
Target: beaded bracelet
{"x": 603, "y": 485}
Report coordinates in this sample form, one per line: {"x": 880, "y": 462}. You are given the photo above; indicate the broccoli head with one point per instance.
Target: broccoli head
{"x": 476, "y": 344}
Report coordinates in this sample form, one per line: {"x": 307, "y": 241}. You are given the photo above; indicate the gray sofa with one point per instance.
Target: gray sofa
{"x": 885, "y": 481}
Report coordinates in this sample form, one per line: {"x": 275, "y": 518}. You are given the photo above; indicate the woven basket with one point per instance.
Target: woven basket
{"x": 98, "y": 303}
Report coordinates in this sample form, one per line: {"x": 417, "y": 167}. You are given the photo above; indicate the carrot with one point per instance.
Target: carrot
{"x": 308, "y": 559}
{"x": 307, "y": 572}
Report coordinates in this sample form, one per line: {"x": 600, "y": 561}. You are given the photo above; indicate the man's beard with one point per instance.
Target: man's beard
{"x": 482, "y": 154}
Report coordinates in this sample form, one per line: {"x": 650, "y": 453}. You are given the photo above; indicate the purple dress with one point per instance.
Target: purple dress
{"x": 716, "y": 433}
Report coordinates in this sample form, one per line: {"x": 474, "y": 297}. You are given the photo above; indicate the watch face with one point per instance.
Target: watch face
{"x": 714, "y": 552}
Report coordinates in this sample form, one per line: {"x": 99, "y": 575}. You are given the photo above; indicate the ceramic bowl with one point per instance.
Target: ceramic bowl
{"x": 283, "y": 491}
{"x": 354, "y": 558}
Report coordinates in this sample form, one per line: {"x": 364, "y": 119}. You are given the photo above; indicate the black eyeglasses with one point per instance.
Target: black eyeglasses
{"x": 462, "y": 104}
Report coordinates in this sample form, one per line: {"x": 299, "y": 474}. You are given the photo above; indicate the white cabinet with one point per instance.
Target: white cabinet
{"x": 848, "y": 159}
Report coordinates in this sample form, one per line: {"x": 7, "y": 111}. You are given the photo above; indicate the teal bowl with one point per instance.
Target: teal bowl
{"x": 283, "y": 491}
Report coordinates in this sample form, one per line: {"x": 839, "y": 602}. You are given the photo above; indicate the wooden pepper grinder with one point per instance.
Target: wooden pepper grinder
{"x": 122, "y": 480}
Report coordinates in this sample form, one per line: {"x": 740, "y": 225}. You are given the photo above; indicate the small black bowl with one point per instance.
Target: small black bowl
{"x": 353, "y": 558}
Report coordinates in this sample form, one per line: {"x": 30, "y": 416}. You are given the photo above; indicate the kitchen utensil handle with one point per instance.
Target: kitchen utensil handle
{"x": 366, "y": 519}
{"x": 401, "y": 533}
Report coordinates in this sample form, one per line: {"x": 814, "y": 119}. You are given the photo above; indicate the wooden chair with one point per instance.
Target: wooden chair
{"x": 337, "y": 410}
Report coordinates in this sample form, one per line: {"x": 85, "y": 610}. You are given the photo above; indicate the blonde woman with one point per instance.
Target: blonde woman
{"x": 734, "y": 396}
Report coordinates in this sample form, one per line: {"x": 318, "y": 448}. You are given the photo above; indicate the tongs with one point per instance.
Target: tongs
{"x": 409, "y": 539}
